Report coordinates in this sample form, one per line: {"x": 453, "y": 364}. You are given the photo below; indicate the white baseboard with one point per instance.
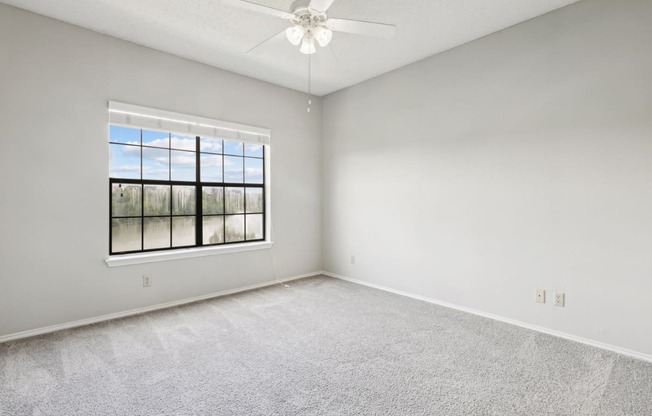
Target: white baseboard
{"x": 137, "y": 311}
{"x": 597, "y": 344}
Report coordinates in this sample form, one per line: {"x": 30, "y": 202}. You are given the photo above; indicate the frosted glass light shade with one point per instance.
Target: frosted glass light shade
{"x": 323, "y": 36}
{"x": 308, "y": 46}
{"x": 294, "y": 34}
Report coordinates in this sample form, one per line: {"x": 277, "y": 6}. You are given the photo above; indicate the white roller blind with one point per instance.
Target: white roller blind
{"x": 150, "y": 118}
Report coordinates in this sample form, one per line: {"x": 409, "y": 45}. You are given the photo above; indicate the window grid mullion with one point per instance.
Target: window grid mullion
{"x": 170, "y": 179}
{"x": 142, "y": 196}
{"x": 244, "y": 196}
{"x": 199, "y": 195}
{"x": 223, "y": 199}
{"x": 199, "y": 190}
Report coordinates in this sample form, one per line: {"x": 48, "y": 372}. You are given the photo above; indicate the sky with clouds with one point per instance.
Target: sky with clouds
{"x": 173, "y": 155}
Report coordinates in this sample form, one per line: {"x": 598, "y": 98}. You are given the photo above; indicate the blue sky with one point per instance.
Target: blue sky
{"x": 125, "y": 157}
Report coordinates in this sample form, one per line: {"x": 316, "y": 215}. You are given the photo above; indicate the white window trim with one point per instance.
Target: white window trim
{"x": 151, "y": 118}
{"x": 156, "y": 256}
{"x": 192, "y": 123}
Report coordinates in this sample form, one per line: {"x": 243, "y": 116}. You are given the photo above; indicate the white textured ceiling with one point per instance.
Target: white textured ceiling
{"x": 216, "y": 33}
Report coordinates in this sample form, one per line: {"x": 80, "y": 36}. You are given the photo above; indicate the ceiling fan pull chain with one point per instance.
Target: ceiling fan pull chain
{"x": 309, "y": 81}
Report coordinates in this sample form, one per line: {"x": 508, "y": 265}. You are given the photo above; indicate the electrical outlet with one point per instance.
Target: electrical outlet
{"x": 147, "y": 280}
{"x": 540, "y": 296}
{"x": 558, "y": 299}
{"x": 352, "y": 259}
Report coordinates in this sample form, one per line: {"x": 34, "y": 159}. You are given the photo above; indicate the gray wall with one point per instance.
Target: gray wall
{"x": 522, "y": 160}
{"x": 518, "y": 161}
{"x": 56, "y": 80}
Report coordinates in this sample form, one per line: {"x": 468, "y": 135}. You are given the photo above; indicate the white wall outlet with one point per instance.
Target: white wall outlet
{"x": 352, "y": 259}
{"x": 540, "y": 296}
{"x": 147, "y": 280}
{"x": 558, "y": 299}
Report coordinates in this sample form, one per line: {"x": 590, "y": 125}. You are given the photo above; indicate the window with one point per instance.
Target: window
{"x": 170, "y": 190}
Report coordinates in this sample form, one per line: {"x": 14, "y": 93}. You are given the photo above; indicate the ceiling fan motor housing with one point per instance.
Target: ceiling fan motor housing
{"x": 308, "y": 18}
{"x": 309, "y": 26}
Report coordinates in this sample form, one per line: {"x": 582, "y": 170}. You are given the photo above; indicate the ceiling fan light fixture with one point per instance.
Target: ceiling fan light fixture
{"x": 295, "y": 34}
{"x": 308, "y": 45}
{"x": 323, "y": 35}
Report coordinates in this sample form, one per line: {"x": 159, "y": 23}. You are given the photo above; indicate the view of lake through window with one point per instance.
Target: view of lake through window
{"x": 173, "y": 191}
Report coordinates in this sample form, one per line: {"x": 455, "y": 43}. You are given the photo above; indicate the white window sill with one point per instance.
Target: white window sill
{"x": 139, "y": 258}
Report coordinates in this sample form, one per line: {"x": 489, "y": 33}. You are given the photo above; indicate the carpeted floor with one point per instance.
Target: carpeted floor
{"x": 318, "y": 347}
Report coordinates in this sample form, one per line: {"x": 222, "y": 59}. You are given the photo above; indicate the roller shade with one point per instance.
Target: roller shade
{"x": 148, "y": 118}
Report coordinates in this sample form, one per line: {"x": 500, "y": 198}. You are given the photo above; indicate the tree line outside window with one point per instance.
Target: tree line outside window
{"x": 174, "y": 191}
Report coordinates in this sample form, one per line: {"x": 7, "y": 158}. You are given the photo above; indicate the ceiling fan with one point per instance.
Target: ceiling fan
{"x": 311, "y": 25}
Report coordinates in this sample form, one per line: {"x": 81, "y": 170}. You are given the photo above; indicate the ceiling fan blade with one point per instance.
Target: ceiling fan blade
{"x": 257, "y": 49}
{"x": 358, "y": 27}
{"x": 259, "y": 8}
{"x": 320, "y": 5}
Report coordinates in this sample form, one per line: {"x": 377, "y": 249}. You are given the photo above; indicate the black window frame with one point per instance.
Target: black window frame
{"x": 198, "y": 185}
